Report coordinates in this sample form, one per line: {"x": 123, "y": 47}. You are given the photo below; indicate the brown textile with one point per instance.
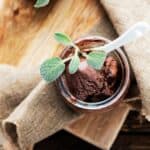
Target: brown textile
{"x": 15, "y": 85}
{"x": 42, "y": 108}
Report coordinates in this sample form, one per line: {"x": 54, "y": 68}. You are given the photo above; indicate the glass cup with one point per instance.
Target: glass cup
{"x": 122, "y": 88}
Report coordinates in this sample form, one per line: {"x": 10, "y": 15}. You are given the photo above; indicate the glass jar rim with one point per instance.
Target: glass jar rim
{"x": 119, "y": 93}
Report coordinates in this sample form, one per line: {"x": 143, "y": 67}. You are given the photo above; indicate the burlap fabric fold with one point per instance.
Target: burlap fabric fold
{"x": 41, "y": 114}
{"x": 15, "y": 85}
{"x": 124, "y": 14}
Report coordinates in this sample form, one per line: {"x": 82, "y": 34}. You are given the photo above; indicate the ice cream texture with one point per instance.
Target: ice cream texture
{"x": 91, "y": 85}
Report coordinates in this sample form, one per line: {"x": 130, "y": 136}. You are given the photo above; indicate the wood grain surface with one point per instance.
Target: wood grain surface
{"x": 100, "y": 129}
{"x": 33, "y": 41}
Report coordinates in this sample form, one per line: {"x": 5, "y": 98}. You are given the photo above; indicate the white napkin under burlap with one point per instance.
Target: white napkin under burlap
{"x": 124, "y": 14}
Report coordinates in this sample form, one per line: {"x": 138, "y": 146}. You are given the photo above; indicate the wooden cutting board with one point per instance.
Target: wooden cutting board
{"x": 26, "y": 39}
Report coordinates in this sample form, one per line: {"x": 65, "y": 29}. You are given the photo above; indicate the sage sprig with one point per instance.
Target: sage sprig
{"x": 74, "y": 64}
{"x": 41, "y": 3}
{"x": 96, "y": 59}
{"x": 97, "y": 55}
{"x": 63, "y": 39}
{"x": 53, "y": 68}
{"x": 75, "y": 60}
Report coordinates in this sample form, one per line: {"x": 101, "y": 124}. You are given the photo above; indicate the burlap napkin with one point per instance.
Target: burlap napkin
{"x": 124, "y": 14}
{"x": 41, "y": 114}
{"x": 15, "y": 85}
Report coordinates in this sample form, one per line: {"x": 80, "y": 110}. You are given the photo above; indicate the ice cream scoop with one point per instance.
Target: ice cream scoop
{"x": 91, "y": 85}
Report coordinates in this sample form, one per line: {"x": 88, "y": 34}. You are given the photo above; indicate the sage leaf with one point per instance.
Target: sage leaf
{"x": 74, "y": 64}
{"x": 96, "y": 59}
{"x": 41, "y": 3}
{"x": 63, "y": 39}
{"x": 52, "y": 68}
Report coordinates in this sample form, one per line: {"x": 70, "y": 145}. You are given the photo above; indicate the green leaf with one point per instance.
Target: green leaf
{"x": 52, "y": 68}
{"x": 96, "y": 59}
{"x": 63, "y": 39}
{"x": 74, "y": 64}
{"x": 41, "y": 3}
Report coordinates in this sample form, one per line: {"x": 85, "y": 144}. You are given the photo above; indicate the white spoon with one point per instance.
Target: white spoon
{"x": 136, "y": 31}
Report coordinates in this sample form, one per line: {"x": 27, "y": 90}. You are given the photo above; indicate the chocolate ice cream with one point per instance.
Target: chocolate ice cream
{"x": 91, "y": 85}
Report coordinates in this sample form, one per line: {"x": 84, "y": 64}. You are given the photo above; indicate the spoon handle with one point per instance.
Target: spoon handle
{"x": 131, "y": 34}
